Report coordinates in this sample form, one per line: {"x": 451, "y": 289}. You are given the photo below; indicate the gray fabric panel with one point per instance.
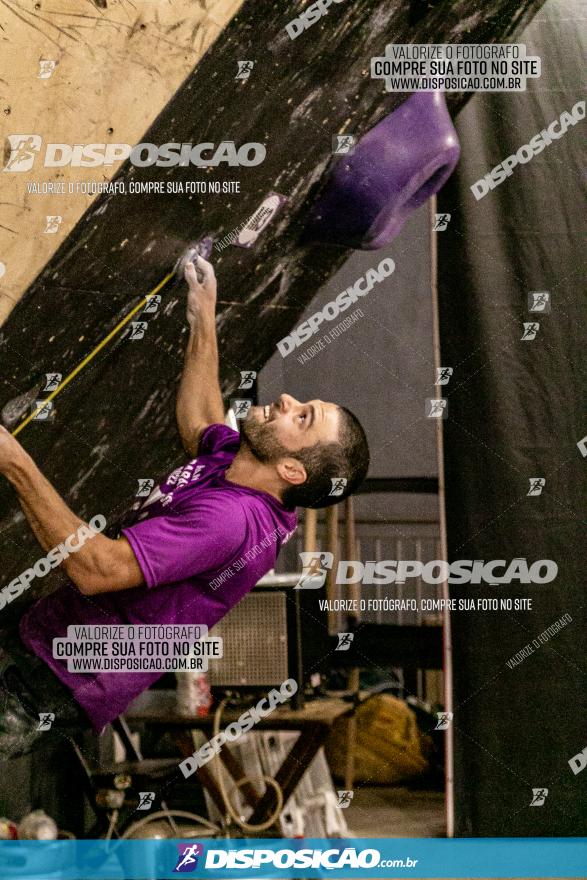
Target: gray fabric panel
{"x": 515, "y": 413}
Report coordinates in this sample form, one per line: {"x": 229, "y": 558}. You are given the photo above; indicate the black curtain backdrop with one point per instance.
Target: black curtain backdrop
{"x": 515, "y": 413}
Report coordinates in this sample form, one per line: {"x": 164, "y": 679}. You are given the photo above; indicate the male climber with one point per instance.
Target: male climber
{"x": 169, "y": 564}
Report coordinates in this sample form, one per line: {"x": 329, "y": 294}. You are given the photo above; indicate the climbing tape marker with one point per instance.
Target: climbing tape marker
{"x": 93, "y": 353}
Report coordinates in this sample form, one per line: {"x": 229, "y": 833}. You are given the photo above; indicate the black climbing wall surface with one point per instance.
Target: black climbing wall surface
{"x": 114, "y": 423}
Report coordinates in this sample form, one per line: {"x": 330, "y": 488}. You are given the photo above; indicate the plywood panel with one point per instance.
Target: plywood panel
{"x": 117, "y": 64}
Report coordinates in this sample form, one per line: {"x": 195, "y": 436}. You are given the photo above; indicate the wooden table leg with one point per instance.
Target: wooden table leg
{"x": 185, "y": 743}
{"x": 293, "y": 768}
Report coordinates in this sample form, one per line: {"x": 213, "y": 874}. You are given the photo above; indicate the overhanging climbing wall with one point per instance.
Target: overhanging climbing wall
{"x": 114, "y": 424}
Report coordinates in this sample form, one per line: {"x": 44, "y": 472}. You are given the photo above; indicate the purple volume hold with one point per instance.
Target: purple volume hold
{"x": 393, "y": 169}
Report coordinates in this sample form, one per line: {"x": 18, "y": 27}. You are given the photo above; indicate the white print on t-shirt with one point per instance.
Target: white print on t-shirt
{"x": 183, "y": 475}
{"x": 197, "y": 473}
{"x": 174, "y": 477}
{"x": 156, "y": 495}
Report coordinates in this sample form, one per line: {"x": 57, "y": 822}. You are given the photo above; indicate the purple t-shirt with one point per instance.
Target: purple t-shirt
{"x": 185, "y": 536}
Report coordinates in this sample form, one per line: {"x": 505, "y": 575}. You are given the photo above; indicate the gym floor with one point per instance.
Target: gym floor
{"x": 396, "y": 811}
{"x": 390, "y": 811}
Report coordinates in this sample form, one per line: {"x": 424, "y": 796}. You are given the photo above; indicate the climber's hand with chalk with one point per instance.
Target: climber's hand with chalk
{"x": 199, "y": 399}
{"x": 11, "y": 452}
{"x": 201, "y": 293}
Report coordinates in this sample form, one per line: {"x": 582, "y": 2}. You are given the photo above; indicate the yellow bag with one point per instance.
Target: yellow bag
{"x": 389, "y": 747}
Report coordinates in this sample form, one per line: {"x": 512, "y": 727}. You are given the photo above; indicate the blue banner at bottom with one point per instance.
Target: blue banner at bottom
{"x": 299, "y": 858}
